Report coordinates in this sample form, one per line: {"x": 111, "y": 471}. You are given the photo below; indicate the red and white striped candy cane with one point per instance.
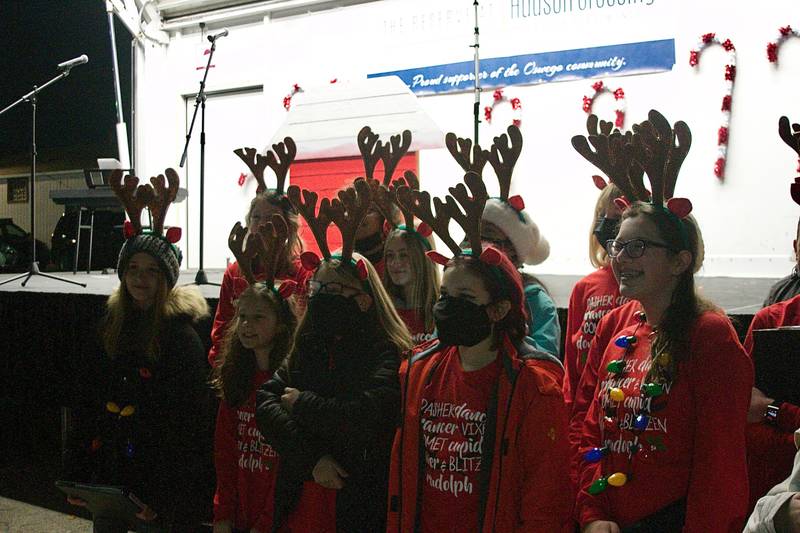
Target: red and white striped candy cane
{"x": 783, "y": 33}
{"x": 730, "y": 76}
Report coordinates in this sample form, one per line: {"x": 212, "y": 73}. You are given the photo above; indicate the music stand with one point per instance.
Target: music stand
{"x": 200, "y": 101}
{"x": 33, "y": 268}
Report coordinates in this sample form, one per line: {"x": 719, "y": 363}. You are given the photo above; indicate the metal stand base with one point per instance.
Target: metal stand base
{"x": 33, "y": 270}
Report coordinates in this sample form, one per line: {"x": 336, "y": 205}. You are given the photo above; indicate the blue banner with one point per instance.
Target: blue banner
{"x": 565, "y": 65}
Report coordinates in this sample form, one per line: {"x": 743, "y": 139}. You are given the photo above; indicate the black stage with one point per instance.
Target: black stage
{"x": 44, "y": 327}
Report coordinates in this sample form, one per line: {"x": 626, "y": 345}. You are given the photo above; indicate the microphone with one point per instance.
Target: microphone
{"x": 218, "y": 35}
{"x": 66, "y": 65}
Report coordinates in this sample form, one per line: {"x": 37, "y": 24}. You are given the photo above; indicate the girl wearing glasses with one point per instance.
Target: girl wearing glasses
{"x": 330, "y": 410}
{"x": 663, "y": 441}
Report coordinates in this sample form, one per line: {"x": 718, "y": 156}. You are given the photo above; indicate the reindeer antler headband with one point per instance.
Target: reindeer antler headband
{"x": 346, "y": 211}
{"x": 279, "y": 159}
{"x": 156, "y": 196}
{"x": 791, "y": 136}
{"x": 385, "y": 200}
{"x": 267, "y": 245}
{"x": 654, "y": 148}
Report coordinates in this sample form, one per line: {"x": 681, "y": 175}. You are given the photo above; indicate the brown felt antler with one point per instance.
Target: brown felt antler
{"x": 393, "y": 152}
{"x": 274, "y": 236}
{"x": 503, "y": 157}
{"x": 419, "y": 203}
{"x": 164, "y": 195}
{"x": 256, "y": 163}
{"x": 371, "y": 150}
{"x": 134, "y": 197}
{"x": 348, "y": 210}
{"x": 317, "y": 221}
{"x": 280, "y": 159}
{"x": 470, "y": 158}
{"x": 660, "y": 149}
{"x": 245, "y": 248}
{"x": 383, "y": 199}
{"x": 791, "y": 136}
{"x": 411, "y": 181}
{"x": 470, "y": 219}
{"x": 612, "y": 154}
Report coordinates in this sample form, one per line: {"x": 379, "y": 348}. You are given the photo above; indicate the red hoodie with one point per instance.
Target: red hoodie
{"x": 234, "y": 284}
{"x": 246, "y": 466}
{"x": 771, "y": 449}
{"x": 519, "y": 483}
{"x": 592, "y": 297}
{"x": 694, "y": 444}
{"x": 607, "y": 327}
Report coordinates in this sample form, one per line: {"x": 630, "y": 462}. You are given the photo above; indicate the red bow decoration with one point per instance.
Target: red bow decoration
{"x": 424, "y": 230}
{"x": 517, "y": 203}
{"x": 361, "y": 268}
{"x": 597, "y": 86}
{"x": 680, "y": 207}
{"x": 491, "y": 256}
{"x": 242, "y": 178}
{"x": 287, "y": 288}
{"x": 174, "y": 234}
{"x": 708, "y": 37}
{"x": 145, "y": 372}
{"x": 387, "y": 227}
{"x": 599, "y": 182}
{"x": 498, "y": 94}
{"x": 310, "y": 260}
{"x": 128, "y": 230}
{"x": 621, "y": 203}
{"x": 437, "y": 258}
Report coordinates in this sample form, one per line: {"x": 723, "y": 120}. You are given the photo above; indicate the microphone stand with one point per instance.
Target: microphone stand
{"x": 476, "y": 46}
{"x": 33, "y": 268}
{"x": 200, "y": 101}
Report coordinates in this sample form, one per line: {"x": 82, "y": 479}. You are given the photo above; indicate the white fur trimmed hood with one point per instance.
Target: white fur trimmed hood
{"x": 532, "y": 248}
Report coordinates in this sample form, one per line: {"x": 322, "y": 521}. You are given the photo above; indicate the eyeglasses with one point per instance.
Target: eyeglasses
{"x": 634, "y": 248}
{"x": 332, "y": 287}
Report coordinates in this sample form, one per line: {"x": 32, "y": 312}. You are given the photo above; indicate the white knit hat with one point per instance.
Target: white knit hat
{"x": 532, "y": 248}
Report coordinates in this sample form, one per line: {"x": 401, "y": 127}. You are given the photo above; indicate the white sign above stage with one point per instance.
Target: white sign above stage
{"x": 324, "y": 121}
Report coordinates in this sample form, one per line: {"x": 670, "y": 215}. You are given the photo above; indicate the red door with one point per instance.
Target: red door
{"x": 328, "y": 176}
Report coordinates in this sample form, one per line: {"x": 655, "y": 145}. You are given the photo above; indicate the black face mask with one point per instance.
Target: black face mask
{"x": 460, "y": 322}
{"x": 605, "y": 229}
{"x": 334, "y": 314}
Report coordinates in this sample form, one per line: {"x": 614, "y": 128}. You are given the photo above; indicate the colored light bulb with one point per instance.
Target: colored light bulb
{"x": 640, "y": 422}
{"x": 112, "y": 407}
{"x": 653, "y": 389}
{"x": 640, "y": 316}
{"x": 128, "y": 410}
{"x": 129, "y": 450}
{"x": 595, "y": 454}
{"x": 598, "y": 486}
{"x": 616, "y": 394}
{"x": 663, "y": 359}
{"x": 622, "y": 341}
{"x": 617, "y": 480}
{"x": 616, "y": 367}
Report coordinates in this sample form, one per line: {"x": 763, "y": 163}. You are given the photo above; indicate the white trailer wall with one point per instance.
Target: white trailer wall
{"x": 748, "y": 220}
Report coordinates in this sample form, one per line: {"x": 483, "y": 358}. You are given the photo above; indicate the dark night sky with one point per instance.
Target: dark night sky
{"x": 75, "y": 116}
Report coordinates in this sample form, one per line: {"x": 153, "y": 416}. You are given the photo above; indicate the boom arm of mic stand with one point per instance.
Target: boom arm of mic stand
{"x": 201, "y": 95}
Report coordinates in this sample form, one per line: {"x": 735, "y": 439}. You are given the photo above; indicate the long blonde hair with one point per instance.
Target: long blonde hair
{"x": 425, "y": 277}
{"x": 120, "y": 308}
{"x": 597, "y": 250}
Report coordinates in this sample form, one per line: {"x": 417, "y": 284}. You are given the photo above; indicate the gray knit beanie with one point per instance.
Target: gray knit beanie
{"x": 166, "y": 254}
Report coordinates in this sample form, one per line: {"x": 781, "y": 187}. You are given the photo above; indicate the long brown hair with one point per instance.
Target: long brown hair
{"x": 425, "y": 277}
{"x": 120, "y": 309}
{"x": 672, "y": 333}
{"x": 597, "y": 250}
{"x": 233, "y": 378}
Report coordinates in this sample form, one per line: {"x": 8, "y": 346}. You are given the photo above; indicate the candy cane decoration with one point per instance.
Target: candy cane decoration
{"x": 783, "y": 33}
{"x": 730, "y": 76}
{"x": 497, "y": 98}
{"x": 619, "y": 95}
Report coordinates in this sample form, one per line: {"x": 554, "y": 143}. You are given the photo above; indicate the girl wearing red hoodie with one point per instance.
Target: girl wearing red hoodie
{"x": 258, "y": 340}
{"x": 663, "y": 441}
{"x": 483, "y": 435}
